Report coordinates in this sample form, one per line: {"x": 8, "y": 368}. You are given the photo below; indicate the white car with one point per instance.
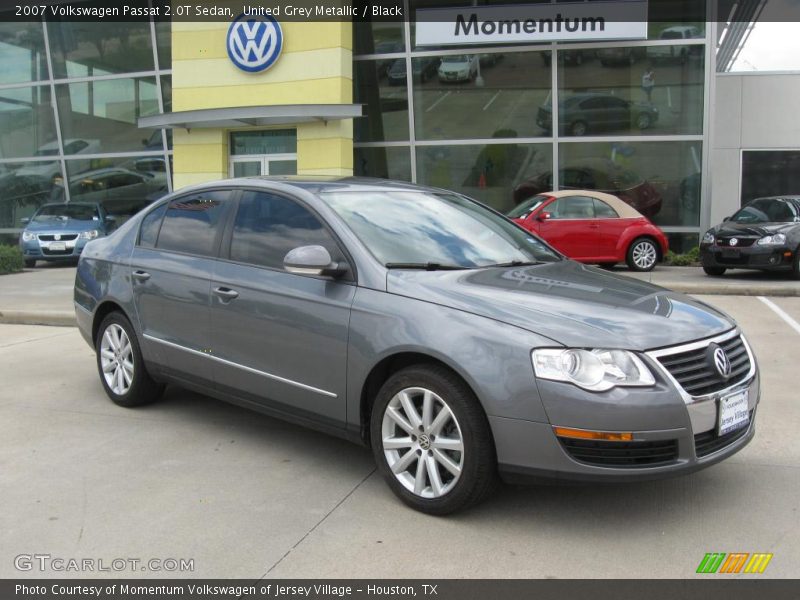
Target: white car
{"x": 53, "y": 169}
{"x": 459, "y": 67}
{"x": 677, "y": 53}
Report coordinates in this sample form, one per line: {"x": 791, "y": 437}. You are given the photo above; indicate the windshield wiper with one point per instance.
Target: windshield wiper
{"x": 516, "y": 263}
{"x": 428, "y": 266}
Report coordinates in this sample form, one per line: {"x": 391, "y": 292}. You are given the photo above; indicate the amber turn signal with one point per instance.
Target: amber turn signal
{"x": 583, "y": 434}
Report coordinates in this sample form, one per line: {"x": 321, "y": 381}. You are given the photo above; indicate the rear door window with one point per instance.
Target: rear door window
{"x": 193, "y": 223}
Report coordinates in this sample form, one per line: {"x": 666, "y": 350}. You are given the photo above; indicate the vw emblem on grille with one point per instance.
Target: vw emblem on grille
{"x": 722, "y": 362}
{"x": 254, "y": 43}
{"x": 734, "y": 241}
{"x": 57, "y": 237}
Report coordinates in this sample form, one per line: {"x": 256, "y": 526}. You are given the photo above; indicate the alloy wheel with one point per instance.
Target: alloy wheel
{"x": 116, "y": 359}
{"x": 422, "y": 442}
{"x": 645, "y": 255}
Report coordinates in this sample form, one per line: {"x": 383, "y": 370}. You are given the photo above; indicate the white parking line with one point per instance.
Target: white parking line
{"x": 781, "y": 313}
{"x": 489, "y": 103}
{"x": 432, "y": 106}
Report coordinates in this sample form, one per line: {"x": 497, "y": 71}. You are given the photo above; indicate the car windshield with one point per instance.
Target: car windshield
{"x": 79, "y": 212}
{"x": 527, "y": 207}
{"x": 417, "y": 229}
{"x": 767, "y": 210}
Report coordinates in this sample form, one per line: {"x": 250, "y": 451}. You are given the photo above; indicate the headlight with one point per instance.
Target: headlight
{"x": 772, "y": 240}
{"x": 27, "y": 236}
{"x": 708, "y": 238}
{"x": 593, "y": 370}
{"x": 89, "y": 235}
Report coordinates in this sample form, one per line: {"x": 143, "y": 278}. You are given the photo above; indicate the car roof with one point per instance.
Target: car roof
{"x": 624, "y": 210}
{"x": 319, "y": 184}
{"x": 92, "y": 204}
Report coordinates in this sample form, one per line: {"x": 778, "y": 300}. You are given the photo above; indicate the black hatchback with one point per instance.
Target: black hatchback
{"x": 764, "y": 234}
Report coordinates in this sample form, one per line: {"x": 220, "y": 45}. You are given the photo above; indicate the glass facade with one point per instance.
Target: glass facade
{"x": 500, "y": 123}
{"x": 70, "y": 97}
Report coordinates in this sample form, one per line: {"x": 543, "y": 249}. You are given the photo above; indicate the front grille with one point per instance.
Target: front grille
{"x": 709, "y": 442}
{"x": 696, "y": 372}
{"x": 732, "y": 260}
{"x": 622, "y": 455}
{"x": 740, "y": 243}
{"x": 66, "y": 237}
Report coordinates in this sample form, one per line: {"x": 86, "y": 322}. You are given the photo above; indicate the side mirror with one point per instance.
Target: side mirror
{"x": 110, "y": 219}
{"x": 25, "y": 220}
{"x": 312, "y": 260}
{"x": 726, "y": 219}
{"x": 543, "y": 216}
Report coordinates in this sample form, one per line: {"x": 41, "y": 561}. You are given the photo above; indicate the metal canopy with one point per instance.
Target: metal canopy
{"x": 251, "y": 116}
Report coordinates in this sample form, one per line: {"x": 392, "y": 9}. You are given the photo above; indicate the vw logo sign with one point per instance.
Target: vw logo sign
{"x": 57, "y": 237}
{"x": 722, "y": 362}
{"x": 734, "y": 241}
{"x": 254, "y": 43}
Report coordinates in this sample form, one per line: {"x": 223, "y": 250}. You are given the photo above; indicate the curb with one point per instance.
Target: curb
{"x": 732, "y": 290}
{"x": 56, "y": 318}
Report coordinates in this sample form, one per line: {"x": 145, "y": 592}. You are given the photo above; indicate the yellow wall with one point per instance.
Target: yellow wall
{"x": 315, "y": 67}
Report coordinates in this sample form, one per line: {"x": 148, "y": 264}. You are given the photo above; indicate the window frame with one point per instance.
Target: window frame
{"x": 224, "y": 252}
{"x": 564, "y": 198}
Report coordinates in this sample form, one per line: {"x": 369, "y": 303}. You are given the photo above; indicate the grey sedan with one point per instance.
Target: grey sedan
{"x": 418, "y": 322}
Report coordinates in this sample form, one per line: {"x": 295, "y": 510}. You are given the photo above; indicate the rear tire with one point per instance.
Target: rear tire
{"x": 431, "y": 440}
{"x": 715, "y": 271}
{"x": 642, "y": 255}
{"x": 121, "y": 366}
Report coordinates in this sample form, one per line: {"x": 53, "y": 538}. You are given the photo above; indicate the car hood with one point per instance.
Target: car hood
{"x": 570, "y": 303}
{"x": 730, "y": 229}
{"x": 62, "y": 226}
{"x": 454, "y": 66}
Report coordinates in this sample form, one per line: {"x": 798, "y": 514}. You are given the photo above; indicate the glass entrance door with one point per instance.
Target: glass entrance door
{"x": 269, "y": 164}
{"x": 267, "y": 152}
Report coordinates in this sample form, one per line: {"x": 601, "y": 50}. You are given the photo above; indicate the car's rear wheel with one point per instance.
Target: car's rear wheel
{"x": 715, "y": 271}
{"x": 121, "y": 366}
{"x": 431, "y": 440}
{"x": 30, "y": 264}
{"x": 642, "y": 255}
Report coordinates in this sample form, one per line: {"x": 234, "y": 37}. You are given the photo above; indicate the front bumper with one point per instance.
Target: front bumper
{"x": 54, "y": 250}
{"x": 777, "y": 258}
{"x": 673, "y": 433}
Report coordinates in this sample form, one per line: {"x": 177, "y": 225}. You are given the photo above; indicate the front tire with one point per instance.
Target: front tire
{"x": 578, "y": 128}
{"x": 796, "y": 264}
{"x": 715, "y": 271}
{"x": 431, "y": 440}
{"x": 121, "y": 366}
{"x": 30, "y": 264}
{"x": 642, "y": 255}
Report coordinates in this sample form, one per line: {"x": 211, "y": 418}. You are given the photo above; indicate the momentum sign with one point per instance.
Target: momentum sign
{"x": 562, "y": 22}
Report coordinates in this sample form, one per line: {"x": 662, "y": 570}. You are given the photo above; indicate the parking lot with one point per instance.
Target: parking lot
{"x": 244, "y": 495}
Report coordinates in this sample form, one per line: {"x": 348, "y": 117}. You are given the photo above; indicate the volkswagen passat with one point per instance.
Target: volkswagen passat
{"x": 419, "y": 322}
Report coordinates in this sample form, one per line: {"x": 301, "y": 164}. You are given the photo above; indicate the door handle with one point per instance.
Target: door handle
{"x": 226, "y": 294}
{"x": 141, "y": 275}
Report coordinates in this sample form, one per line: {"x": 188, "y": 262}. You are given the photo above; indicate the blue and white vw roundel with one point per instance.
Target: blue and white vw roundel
{"x": 254, "y": 43}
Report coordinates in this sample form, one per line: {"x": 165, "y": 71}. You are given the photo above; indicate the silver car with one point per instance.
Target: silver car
{"x": 418, "y": 322}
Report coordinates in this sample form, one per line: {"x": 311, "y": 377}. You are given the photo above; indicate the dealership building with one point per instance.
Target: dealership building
{"x": 653, "y": 111}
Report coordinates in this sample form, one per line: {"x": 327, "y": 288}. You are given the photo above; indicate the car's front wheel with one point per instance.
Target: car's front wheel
{"x": 30, "y": 263}
{"x": 121, "y": 366}
{"x": 715, "y": 271}
{"x": 796, "y": 264}
{"x": 642, "y": 255}
{"x": 431, "y": 440}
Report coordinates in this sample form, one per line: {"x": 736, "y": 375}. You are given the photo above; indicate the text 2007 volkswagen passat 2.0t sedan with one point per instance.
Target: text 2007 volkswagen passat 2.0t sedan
{"x": 420, "y": 322}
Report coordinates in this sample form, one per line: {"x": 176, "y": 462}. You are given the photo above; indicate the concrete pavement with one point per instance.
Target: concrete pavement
{"x": 249, "y": 496}
{"x": 43, "y": 296}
